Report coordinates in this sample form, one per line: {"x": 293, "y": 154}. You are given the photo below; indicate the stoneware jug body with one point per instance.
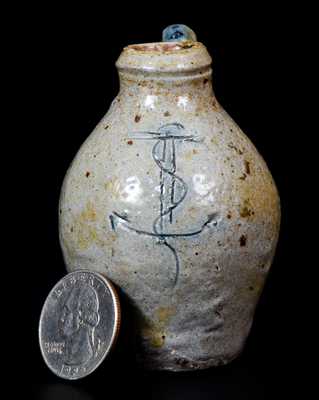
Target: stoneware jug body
{"x": 171, "y": 201}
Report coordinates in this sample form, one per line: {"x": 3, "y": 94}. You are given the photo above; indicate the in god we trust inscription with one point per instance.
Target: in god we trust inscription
{"x": 79, "y": 324}
{"x": 173, "y": 190}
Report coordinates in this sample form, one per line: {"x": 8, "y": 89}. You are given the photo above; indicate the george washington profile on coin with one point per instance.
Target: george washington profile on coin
{"x": 79, "y": 318}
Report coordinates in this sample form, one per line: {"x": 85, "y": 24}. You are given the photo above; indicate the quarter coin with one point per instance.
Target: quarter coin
{"x": 79, "y": 324}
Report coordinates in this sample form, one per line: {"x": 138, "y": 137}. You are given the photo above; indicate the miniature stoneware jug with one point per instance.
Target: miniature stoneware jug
{"x": 172, "y": 202}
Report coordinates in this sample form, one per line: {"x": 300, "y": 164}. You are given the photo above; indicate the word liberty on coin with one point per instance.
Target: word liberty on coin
{"x": 79, "y": 324}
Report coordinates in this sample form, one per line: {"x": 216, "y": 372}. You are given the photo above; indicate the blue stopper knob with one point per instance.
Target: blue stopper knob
{"x": 177, "y": 33}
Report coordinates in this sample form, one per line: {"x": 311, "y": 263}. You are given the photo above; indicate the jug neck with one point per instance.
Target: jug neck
{"x": 165, "y": 68}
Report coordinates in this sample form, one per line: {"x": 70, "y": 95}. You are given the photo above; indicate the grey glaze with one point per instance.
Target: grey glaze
{"x": 172, "y": 202}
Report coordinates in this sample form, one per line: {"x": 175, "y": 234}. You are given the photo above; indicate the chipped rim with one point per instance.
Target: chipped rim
{"x": 165, "y": 57}
{"x": 163, "y": 47}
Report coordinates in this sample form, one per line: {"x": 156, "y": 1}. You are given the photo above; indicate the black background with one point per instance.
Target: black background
{"x": 68, "y": 80}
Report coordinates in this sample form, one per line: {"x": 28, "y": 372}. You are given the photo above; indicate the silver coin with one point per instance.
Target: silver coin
{"x": 79, "y": 324}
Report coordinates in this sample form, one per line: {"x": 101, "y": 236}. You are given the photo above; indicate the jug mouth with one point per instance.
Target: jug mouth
{"x": 164, "y": 58}
{"x": 163, "y": 47}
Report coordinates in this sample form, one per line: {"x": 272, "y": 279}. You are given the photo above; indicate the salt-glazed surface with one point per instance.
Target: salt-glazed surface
{"x": 172, "y": 202}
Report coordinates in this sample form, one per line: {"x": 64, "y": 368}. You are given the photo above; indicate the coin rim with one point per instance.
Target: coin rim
{"x": 116, "y": 327}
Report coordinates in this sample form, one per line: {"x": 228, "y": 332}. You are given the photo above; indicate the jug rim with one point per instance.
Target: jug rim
{"x": 164, "y": 57}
